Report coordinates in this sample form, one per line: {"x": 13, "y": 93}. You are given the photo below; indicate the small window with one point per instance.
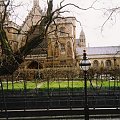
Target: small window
{"x": 95, "y": 63}
{"x": 56, "y": 50}
{"x": 62, "y": 47}
{"x": 69, "y": 49}
{"x": 63, "y": 62}
{"x": 15, "y": 46}
{"x": 108, "y": 63}
{"x": 62, "y": 31}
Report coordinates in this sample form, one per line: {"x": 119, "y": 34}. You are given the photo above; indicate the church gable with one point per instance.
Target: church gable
{"x": 33, "y": 17}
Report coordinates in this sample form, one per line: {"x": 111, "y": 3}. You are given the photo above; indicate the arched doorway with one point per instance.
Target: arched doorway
{"x": 95, "y": 64}
{"x": 108, "y": 64}
{"x": 35, "y": 65}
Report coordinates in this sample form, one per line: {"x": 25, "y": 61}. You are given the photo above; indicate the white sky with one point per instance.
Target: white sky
{"x": 91, "y": 20}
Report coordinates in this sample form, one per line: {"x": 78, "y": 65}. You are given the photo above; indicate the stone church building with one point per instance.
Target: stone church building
{"x": 61, "y": 48}
{"x": 107, "y": 57}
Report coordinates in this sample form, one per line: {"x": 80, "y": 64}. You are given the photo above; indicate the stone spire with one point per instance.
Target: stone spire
{"x": 35, "y": 2}
{"x": 1, "y": 8}
{"x": 82, "y": 42}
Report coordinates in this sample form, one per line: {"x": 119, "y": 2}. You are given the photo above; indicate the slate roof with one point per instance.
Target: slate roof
{"x": 108, "y": 50}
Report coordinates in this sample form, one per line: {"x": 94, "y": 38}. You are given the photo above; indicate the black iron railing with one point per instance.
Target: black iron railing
{"x": 20, "y": 97}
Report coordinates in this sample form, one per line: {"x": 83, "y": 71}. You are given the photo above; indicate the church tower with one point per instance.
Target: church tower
{"x": 33, "y": 18}
{"x": 82, "y": 42}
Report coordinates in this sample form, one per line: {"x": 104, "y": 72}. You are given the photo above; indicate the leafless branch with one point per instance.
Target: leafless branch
{"x": 71, "y": 4}
{"x": 112, "y": 11}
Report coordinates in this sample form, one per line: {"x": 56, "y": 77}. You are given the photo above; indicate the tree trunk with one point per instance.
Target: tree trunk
{"x": 11, "y": 61}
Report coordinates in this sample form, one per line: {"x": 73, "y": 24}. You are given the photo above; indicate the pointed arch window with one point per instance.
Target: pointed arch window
{"x": 69, "y": 49}
{"x": 62, "y": 31}
{"x": 62, "y": 47}
{"x": 15, "y": 46}
{"x": 56, "y": 49}
{"x": 95, "y": 64}
{"x": 23, "y": 41}
{"x": 82, "y": 40}
{"x": 108, "y": 63}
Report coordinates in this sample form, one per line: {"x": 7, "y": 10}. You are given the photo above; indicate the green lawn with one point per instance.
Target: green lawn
{"x": 63, "y": 84}
{"x": 59, "y": 84}
{"x": 19, "y": 85}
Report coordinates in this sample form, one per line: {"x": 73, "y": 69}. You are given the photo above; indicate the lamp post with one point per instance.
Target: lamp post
{"x": 85, "y": 64}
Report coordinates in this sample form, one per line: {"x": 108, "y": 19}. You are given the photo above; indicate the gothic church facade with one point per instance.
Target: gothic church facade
{"x": 61, "y": 48}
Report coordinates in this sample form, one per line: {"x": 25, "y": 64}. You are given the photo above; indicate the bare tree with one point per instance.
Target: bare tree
{"x": 11, "y": 60}
{"x": 111, "y": 10}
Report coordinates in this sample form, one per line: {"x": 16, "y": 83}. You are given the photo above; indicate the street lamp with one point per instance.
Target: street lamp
{"x": 85, "y": 64}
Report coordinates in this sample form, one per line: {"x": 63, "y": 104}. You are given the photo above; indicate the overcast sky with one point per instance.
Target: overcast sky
{"x": 91, "y": 20}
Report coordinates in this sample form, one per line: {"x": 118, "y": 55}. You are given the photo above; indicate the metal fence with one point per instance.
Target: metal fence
{"x": 58, "y": 92}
